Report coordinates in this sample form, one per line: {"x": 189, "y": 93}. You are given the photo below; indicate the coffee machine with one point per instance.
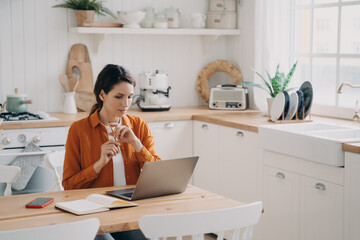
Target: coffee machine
{"x": 154, "y": 91}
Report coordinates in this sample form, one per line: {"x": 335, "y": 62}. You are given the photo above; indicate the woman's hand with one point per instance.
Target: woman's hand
{"x": 108, "y": 150}
{"x": 125, "y": 134}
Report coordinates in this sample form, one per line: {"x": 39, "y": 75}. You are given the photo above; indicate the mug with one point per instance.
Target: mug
{"x": 69, "y": 104}
{"x": 198, "y": 20}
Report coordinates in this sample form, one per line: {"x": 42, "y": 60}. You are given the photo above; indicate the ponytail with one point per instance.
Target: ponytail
{"x": 95, "y": 107}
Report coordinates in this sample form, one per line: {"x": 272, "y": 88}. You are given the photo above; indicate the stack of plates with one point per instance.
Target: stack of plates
{"x": 291, "y": 105}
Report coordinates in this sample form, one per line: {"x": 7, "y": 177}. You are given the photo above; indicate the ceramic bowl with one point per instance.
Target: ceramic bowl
{"x": 131, "y": 19}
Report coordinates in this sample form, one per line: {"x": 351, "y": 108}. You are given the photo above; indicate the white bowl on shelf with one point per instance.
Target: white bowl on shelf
{"x": 131, "y": 19}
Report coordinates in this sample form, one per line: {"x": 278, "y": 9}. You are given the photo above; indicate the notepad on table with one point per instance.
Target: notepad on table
{"x": 94, "y": 203}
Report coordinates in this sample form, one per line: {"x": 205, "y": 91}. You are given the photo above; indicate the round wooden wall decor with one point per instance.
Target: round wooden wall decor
{"x": 202, "y": 83}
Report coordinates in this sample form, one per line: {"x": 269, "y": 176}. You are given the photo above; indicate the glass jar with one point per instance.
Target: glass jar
{"x": 173, "y": 17}
{"x": 160, "y": 20}
{"x": 148, "y": 20}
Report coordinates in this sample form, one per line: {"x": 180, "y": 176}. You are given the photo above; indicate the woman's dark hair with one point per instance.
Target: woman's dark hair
{"x": 107, "y": 78}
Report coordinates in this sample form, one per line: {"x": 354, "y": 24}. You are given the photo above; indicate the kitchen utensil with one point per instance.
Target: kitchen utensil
{"x": 154, "y": 91}
{"x": 219, "y": 20}
{"x": 69, "y": 103}
{"x": 148, "y": 20}
{"x": 173, "y": 17}
{"x": 131, "y": 19}
{"x": 222, "y": 5}
{"x": 79, "y": 57}
{"x": 16, "y": 103}
{"x": 85, "y": 99}
{"x": 277, "y": 107}
{"x": 161, "y": 20}
{"x": 198, "y": 20}
{"x": 102, "y": 24}
{"x": 77, "y": 74}
{"x": 307, "y": 90}
{"x": 294, "y": 101}
{"x": 300, "y": 104}
{"x": 66, "y": 82}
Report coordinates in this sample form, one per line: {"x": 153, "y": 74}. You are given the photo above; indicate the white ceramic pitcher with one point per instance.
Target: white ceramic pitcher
{"x": 69, "y": 103}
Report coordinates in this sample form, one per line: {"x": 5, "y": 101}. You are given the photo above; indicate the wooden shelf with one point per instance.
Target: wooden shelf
{"x": 207, "y": 35}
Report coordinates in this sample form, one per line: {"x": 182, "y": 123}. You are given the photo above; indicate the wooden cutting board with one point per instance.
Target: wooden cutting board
{"x": 79, "y": 57}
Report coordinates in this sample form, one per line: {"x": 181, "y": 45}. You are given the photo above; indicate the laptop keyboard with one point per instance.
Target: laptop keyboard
{"x": 129, "y": 195}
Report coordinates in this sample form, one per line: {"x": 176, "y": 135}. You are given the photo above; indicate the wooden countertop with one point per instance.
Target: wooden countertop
{"x": 351, "y": 147}
{"x": 248, "y": 120}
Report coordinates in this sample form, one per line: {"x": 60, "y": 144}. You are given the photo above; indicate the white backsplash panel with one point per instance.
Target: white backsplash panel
{"x": 35, "y": 41}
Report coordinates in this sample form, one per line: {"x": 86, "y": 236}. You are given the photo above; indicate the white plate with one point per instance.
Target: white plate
{"x": 277, "y": 106}
{"x": 294, "y": 101}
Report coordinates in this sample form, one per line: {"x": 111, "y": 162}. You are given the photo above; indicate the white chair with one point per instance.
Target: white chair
{"x": 197, "y": 224}
{"x": 79, "y": 230}
{"x": 53, "y": 161}
{"x": 9, "y": 175}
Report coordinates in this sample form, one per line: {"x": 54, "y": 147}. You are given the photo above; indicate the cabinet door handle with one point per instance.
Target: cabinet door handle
{"x": 280, "y": 175}
{"x": 204, "y": 126}
{"x": 320, "y": 186}
{"x": 240, "y": 134}
{"x": 169, "y": 125}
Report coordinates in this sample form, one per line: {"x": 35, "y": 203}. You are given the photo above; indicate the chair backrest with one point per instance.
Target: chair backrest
{"x": 197, "y": 224}
{"x": 53, "y": 161}
{"x": 79, "y": 230}
{"x": 9, "y": 175}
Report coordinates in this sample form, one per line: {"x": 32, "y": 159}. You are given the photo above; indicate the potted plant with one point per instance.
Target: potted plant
{"x": 274, "y": 85}
{"x": 85, "y": 10}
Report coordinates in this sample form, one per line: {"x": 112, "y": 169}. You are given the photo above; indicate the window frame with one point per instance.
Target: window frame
{"x": 331, "y": 111}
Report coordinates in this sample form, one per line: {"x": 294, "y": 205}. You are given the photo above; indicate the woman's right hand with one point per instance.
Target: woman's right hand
{"x": 108, "y": 150}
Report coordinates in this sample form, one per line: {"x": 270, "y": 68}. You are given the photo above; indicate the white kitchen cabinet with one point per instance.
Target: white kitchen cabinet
{"x": 238, "y": 159}
{"x": 321, "y": 210}
{"x": 206, "y": 145}
{"x": 352, "y": 196}
{"x": 173, "y": 139}
{"x": 303, "y": 200}
{"x": 281, "y": 201}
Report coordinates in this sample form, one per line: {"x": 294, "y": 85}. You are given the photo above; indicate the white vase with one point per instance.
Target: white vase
{"x": 69, "y": 103}
{"x": 269, "y": 103}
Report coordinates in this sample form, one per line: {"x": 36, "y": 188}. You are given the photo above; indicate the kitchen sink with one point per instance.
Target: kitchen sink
{"x": 316, "y": 142}
{"x": 343, "y": 135}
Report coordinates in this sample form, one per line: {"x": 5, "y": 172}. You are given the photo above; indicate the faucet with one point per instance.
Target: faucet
{"x": 356, "y": 117}
{"x": 346, "y": 83}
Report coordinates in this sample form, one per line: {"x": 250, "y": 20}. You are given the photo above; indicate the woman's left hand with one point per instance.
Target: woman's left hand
{"x": 125, "y": 134}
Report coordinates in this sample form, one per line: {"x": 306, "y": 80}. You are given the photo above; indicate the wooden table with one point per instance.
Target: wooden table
{"x": 14, "y": 215}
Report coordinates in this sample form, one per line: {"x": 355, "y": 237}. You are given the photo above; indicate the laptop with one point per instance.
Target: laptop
{"x": 160, "y": 178}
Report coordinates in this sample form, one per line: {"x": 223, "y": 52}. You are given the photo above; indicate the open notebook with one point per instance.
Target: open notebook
{"x": 93, "y": 203}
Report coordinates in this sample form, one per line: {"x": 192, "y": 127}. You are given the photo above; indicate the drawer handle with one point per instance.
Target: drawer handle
{"x": 169, "y": 125}
{"x": 280, "y": 175}
{"x": 240, "y": 134}
{"x": 204, "y": 126}
{"x": 320, "y": 186}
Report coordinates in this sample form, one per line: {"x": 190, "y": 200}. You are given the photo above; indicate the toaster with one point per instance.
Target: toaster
{"x": 229, "y": 97}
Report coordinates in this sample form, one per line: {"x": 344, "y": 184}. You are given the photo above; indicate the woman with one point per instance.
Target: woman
{"x": 109, "y": 147}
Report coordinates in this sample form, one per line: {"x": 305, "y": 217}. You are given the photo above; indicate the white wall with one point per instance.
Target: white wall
{"x": 34, "y": 44}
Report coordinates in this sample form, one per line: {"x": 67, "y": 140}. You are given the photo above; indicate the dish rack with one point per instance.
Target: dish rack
{"x": 296, "y": 120}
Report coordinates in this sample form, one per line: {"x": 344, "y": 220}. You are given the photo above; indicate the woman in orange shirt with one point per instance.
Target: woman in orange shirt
{"x": 109, "y": 147}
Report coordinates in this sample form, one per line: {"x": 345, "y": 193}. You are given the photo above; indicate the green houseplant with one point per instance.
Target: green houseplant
{"x": 85, "y": 9}
{"x": 274, "y": 85}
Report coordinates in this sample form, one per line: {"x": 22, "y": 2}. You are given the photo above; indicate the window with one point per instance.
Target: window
{"x": 326, "y": 43}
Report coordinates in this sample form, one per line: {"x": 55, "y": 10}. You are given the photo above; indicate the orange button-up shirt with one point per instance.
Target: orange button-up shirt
{"x": 83, "y": 149}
